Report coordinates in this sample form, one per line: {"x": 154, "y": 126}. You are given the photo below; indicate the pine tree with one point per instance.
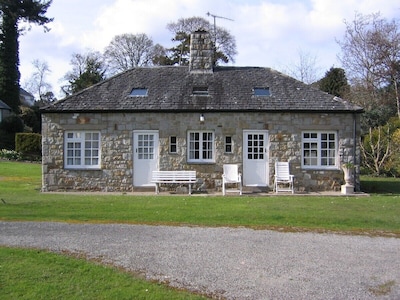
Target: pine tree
{"x": 334, "y": 82}
{"x": 13, "y": 11}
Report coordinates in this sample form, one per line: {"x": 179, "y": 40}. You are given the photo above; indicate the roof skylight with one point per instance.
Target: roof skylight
{"x": 139, "y": 92}
{"x": 261, "y": 91}
{"x": 200, "y": 91}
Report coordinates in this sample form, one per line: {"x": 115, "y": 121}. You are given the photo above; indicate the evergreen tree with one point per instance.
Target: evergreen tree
{"x": 88, "y": 69}
{"x": 334, "y": 82}
{"x": 12, "y": 12}
{"x": 224, "y": 42}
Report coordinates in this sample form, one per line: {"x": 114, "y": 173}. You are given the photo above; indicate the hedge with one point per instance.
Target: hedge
{"x": 28, "y": 144}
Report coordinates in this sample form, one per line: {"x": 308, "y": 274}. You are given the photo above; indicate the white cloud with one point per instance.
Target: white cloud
{"x": 268, "y": 33}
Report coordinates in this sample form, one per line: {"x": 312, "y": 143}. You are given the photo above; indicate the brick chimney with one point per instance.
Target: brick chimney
{"x": 201, "y": 52}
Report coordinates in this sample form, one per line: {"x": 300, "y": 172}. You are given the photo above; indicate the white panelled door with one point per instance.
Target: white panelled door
{"x": 145, "y": 156}
{"x": 255, "y": 158}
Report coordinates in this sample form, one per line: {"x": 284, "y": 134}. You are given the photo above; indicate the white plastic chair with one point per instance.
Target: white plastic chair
{"x": 283, "y": 178}
{"x": 231, "y": 175}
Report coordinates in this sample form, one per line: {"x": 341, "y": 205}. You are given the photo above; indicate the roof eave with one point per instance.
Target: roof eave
{"x": 356, "y": 110}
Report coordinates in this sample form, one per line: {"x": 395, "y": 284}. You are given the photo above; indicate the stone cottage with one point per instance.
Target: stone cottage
{"x": 111, "y": 136}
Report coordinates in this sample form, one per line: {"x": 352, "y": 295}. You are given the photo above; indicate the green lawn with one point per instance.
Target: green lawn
{"x": 378, "y": 214}
{"x": 32, "y": 274}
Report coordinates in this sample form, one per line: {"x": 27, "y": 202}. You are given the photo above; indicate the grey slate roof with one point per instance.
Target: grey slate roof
{"x": 4, "y": 106}
{"x": 230, "y": 89}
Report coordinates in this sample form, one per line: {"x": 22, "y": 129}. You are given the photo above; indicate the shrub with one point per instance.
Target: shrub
{"x": 29, "y": 145}
{"x": 10, "y": 154}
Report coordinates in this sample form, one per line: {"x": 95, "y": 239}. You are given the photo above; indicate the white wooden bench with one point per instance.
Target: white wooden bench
{"x": 174, "y": 177}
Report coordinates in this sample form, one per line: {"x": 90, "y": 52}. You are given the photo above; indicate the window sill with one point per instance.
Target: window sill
{"x": 82, "y": 169}
{"x": 320, "y": 168}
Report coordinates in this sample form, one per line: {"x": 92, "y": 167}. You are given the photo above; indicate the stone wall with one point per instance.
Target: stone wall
{"x": 116, "y": 172}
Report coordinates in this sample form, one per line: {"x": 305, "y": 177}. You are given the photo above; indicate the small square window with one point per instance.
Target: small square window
{"x": 261, "y": 92}
{"x": 139, "y": 92}
{"x": 172, "y": 144}
{"x": 228, "y": 144}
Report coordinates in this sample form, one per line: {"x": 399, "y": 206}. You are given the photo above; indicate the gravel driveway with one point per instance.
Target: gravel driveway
{"x": 233, "y": 263}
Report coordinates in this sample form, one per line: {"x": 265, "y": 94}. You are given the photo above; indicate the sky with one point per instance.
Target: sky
{"x": 268, "y": 33}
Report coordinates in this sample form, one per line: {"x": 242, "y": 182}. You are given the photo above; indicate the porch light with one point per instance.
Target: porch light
{"x": 201, "y": 118}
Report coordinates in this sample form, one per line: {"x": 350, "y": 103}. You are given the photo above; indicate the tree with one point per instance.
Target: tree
{"x": 37, "y": 84}
{"x": 305, "y": 69}
{"x": 379, "y": 148}
{"x": 371, "y": 56}
{"x": 88, "y": 69}
{"x": 12, "y": 12}
{"x": 31, "y": 118}
{"x": 128, "y": 51}
{"x": 179, "y": 55}
{"x": 335, "y": 82}
{"x": 224, "y": 42}
{"x": 160, "y": 57}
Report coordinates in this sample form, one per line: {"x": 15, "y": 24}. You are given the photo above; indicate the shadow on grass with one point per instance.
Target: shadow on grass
{"x": 380, "y": 185}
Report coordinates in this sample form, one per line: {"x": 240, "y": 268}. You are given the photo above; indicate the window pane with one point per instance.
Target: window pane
{"x": 261, "y": 92}
{"x": 321, "y": 151}
{"x": 201, "y": 146}
{"x": 228, "y": 144}
{"x": 83, "y": 149}
{"x": 138, "y": 92}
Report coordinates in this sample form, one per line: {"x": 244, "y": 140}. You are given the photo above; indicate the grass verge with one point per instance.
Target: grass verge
{"x": 34, "y": 274}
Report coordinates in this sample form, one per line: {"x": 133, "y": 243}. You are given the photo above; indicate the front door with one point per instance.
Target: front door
{"x": 145, "y": 156}
{"x": 255, "y": 158}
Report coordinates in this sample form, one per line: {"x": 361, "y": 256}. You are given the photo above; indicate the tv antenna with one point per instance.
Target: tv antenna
{"x": 215, "y": 24}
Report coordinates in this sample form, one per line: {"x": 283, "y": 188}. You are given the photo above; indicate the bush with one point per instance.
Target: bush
{"x": 29, "y": 145}
{"x": 10, "y": 154}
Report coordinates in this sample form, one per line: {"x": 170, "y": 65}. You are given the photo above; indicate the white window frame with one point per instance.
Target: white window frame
{"x": 319, "y": 152}
{"x": 173, "y": 145}
{"x": 201, "y": 146}
{"x": 81, "y": 151}
{"x": 228, "y": 144}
